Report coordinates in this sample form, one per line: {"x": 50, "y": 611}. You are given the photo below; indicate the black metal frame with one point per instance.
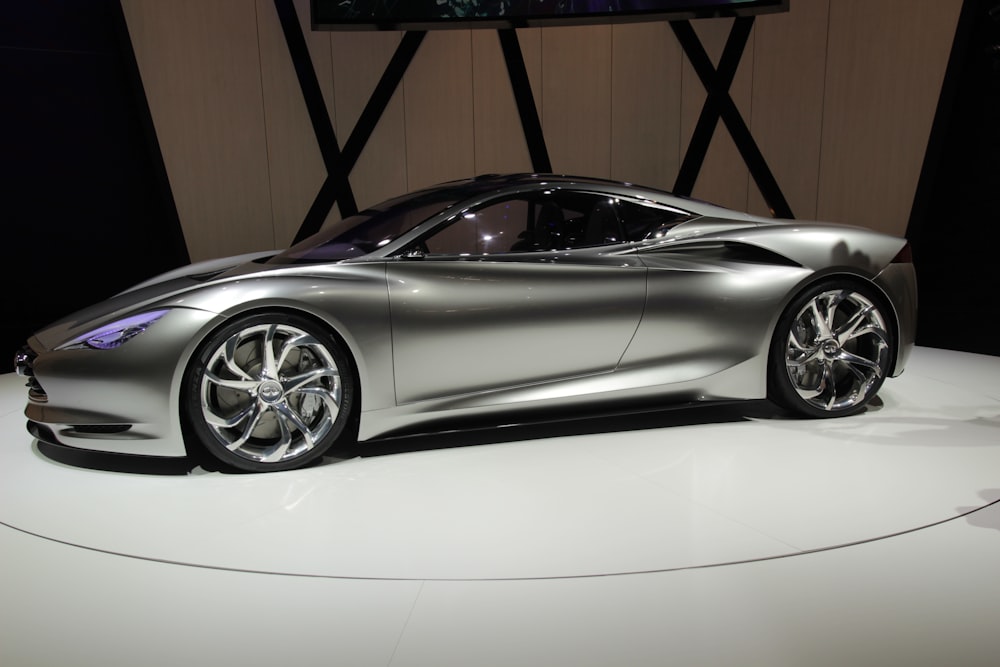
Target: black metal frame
{"x": 718, "y": 105}
{"x": 525, "y": 100}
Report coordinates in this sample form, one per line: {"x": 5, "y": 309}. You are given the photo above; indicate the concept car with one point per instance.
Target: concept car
{"x": 496, "y": 299}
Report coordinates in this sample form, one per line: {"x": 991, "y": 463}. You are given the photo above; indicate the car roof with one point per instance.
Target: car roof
{"x": 516, "y": 179}
{"x": 486, "y": 183}
{"x": 478, "y": 186}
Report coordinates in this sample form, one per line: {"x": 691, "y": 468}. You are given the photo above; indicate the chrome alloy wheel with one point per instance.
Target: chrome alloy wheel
{"x": 271, "y": 393}
{"x": 837, "y": 351}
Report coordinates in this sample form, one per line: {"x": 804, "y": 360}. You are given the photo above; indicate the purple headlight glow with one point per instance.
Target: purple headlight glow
{"x": 116, "y": 333}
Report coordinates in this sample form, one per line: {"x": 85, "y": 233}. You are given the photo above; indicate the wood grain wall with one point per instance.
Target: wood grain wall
{"x": 840, "y": 96}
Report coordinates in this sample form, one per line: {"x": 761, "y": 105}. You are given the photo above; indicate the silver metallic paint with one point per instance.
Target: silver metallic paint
{"x": 469, "y": 326}
{"x": 135, "y": 384}
{"x": 440, "y": 338}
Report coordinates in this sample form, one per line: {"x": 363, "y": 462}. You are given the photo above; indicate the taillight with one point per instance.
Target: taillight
{"x": 904, "y": 256}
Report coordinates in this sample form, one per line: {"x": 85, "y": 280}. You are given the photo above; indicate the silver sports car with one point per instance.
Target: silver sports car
{"x": 496, "y": 299}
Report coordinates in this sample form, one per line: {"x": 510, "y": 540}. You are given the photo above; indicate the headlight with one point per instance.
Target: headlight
{"x": 116, "y": 333}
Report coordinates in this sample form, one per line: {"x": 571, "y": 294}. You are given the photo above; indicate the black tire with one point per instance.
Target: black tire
{"x": 268, "y": 392}
{"x": 832, "y": 349}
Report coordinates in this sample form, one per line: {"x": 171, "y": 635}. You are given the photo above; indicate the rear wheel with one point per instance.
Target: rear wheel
{"x": 268, "y": 392}
{"x": 832, "y": 350}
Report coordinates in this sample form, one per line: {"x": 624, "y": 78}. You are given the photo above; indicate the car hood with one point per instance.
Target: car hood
{"x": 139, "y": 297}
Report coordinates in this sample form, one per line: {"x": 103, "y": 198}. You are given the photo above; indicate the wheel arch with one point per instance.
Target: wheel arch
{"x": 839, "y": 278}
{"x": 851, "y": 277}
{"x": 194, "y": 352}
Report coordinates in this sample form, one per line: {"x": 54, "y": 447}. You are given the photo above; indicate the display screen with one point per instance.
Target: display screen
{"x": 431, "y": 14}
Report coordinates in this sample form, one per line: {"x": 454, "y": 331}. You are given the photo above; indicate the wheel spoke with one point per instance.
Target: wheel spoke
{"x": 286, "y": 414}
{"x": 330, "y": 398}
{"x": 872, "y": 330}
{"x": 825, "y": 392}
{"x": 297, "y": 381}
{"x": 854, "y": 361}
{"x": 236, "y": 385}
{"x": 828, "y": 382}
{"x": 241, "y": 410}
{"x": 806, "y": 352}
{"x": 292, "y": 343}
{"x": 229, "y": 358}
{"x": 219, "y": 421}
{"x": 808, "y": 357}
{"x": 793, "y": 339}
{"x": 275, "y": 454}
{"x": 849, "y": 355}
{"x": 821, "y": 388}
{"x": 269, "y": 368}
{"x": 820, "y": 318}
{"x": 846, "y": 331}
{"x": 278, "y": 451}
{"x": 247, "y": 430}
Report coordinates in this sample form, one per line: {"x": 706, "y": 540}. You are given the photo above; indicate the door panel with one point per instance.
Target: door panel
{"x": 468, "y": 325}
{"x": 706, "y": 313}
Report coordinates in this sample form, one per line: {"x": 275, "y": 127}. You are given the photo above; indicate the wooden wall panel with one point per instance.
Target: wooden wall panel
{"x": 646, "y": 104}
{"x": 295, "y": 165}
{"x": 359, "y": 59}
{"x": 576, "y": 98}
{"x": 500, "y": 146}
{"x": 724, "y": 178}
{"x": 789, "y": 66}
{"x": 440, "y": 141}
{"x": 840, "y": 97}
{"x": 201, "y": 70}
{"x": 885, "y": 64}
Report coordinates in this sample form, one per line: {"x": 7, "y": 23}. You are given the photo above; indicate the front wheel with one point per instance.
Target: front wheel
{"x": 268, "y": 392}
{"x": 831, "y": 351}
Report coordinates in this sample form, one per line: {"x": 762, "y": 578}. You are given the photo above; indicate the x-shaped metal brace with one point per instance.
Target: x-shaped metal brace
{"x": 336, "y": 187}
{"x": 719, "y": 104}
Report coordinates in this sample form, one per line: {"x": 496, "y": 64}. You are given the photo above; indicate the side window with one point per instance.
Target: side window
{"x": 492, "y": 229}
{"x": 599, "y": 220}
{"x": 550, "y": 220}
{"x": 533, "y": 222}
{"x": 555, "y": 222}
{"x": 641, "y": 222}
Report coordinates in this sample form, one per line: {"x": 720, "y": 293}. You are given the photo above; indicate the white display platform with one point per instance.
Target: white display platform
{"x": 711, "y": 536}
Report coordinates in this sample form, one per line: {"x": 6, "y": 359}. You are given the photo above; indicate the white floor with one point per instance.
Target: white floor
{"x": 709, "y": 537}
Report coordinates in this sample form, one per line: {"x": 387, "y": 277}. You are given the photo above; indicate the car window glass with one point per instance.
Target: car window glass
{"x": 367, "y": 231}
{"x": 641, "y": 222}
{"x": 492, "y": 229}
{"x": 532, "y": 222}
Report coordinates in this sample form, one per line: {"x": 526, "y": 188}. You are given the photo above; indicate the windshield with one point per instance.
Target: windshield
{"x": 369, "y": 230}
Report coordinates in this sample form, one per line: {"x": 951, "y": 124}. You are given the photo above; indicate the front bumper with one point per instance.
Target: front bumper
{"x": 123, "y": 400}
{"x": 24, "y": 362}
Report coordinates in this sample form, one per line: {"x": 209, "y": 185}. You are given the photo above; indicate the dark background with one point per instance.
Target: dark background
{"x": 87, "y": 209}
{"x": 955, "y": 224}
